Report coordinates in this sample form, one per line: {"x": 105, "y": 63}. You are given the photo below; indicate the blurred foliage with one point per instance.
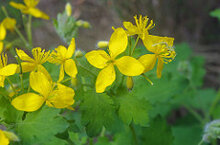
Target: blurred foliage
{"x": 215, "y": 13}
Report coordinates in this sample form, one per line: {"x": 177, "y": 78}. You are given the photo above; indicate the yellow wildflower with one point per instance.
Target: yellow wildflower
{"x": 141, "y": 28}
{"x": 127, "y": 65}
{"x": 162, "y": 50}
{"x": 6, "y": 70}
{"x": 30, "y": 8}
{"x": 35, "y": 63}
{"x": 55, "y": 95}
{"x": 4, "y": 140}
{"x": 2, "y": 36}
{"x": 9, "y": 23}
{"x": 62, "y": 56}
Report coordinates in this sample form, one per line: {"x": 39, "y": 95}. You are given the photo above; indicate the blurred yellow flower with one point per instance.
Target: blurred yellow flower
{"x": 9, "y": 23}
{"x": 162, "y": 49}
{"x": 2, "y": 36}
{"x": 55, "y": 95}
{"x": 127, "y": 65}
{"x": 141, "y": 28}
{"x": 3, "y": 138}
{"x": 62, "y": 56}
{"x": 6, "y": 69}
{"x": 35, "y": 63}
{"x": 30, "y": 8}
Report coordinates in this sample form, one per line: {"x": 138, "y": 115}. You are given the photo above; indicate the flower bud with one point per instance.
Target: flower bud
{"x": 86, "y": 24}
{"x": 68, "y": 9}
{"x": 130, "y": 83}
{"x": 102, "y": 44}
{"x": 78, "y": 53}
{"x": 74, "y": 82}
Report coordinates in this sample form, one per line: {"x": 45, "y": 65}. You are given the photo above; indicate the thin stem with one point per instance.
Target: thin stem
{"x": 200, "y": 143}
{"x": 29, "y": 31}
{"x": 133, "y": 134}
{"x": 129, "y": 44}
{"x": 148, "y": 79}
{"x": 66, "y": 80}
{"x": 21, "y": 73}
{"x": 194, "y": 113}
{"x": 136, "y": 42}
{"x": 11, "y": 84}
{"x": 15, "y": 27}
{"x": 103, "y": 132}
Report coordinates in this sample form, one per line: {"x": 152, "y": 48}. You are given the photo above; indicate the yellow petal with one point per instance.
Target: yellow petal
{"x": 17, "y": 5}
{"x": 9, "y": 23}
{"x": 131, "y": 29}
{"x": 105, "y": 78}
{"x": 40, "y": 83}
{"x": 159, "y": 68}
{"x": 31, "y": 3}
{"x": 3, "y": 139}
{"x": 118, "y": 42}
{"x": 150, "y": 41}
{"x": 62, "y": 97}
{"x": 2, "y": 80}
{"x": 70, "y": 68}
{"x": 1, "y": 47}
{"x": 28, "y": 102}
{"x": 98, "y": 58}
{"x": 61, "y": 75}
{"x": 23, "y": 56}
{"x": 27, "y": 67}
{"x": 71, "y": 48}
{"x": 148, "y": 60}
{"x": 38, "y": 13}
{"x": 129, "y": 66}
{"x": 2, "y": 32}
{"x": 8, "y": 70}
{"x": 44, "y": 71}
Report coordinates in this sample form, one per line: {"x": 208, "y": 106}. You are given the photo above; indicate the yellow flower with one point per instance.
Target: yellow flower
{"x": 162, "y": 49}
{"x": 6, "y": 70}
{"x": 9, "y": 23}
{"x": 141, "y": 28}
{"x": 62, "y": 56}
{"x": 127, "y": 65}
{"x": 55, "y": 95}
{"x": 2, "y": 36}
{"x": 30, "y": 8}
{"x": 4, "y": 140}
{"x": 35, "y": 63}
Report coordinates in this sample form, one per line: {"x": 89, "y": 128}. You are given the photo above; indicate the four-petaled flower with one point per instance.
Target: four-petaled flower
{"x": 62, "y": 56}
{"x": 54, "y": 94}
{"x": 142, "y": 27}
{"x": 6, "y": 69}
{"x": 127, "y": 65}
{"x": 30, "y": 8}
{"x": 162, "y": 49}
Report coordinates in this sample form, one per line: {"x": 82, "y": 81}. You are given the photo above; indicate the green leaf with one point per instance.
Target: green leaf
{"x": 132, "y": 109}
{"x": 77, "y": 139}
{"x": 40, "y": 127}
{"x": 215, "y": 13}
{"x": 158, "y": 133}
{"x": 97, "y": 111}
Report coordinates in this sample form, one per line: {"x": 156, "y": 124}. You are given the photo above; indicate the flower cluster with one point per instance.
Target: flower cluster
{"x": 161, "y": 49}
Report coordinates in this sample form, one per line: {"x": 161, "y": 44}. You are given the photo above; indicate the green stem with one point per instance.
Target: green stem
{"x": 66, "y": 80}
{"x": 214, "y": 103}
{"x": 136, "y": 42}
{"x": 21, "y": 73}
{"x": 103, "y": 132}
{"x": 15, "y": 27}
{"x": 90, "y": 141}
{"x": 200, "y": 143}
{"x": 147, "y": 79}
{"x": 194, "y": 113}
{"x": 29, "y": 31}
{"x": 129, "y": 44}
{"x": 11, "y": 84}
{"x": 79, "y": 65}
{"x": 133, "y": 134}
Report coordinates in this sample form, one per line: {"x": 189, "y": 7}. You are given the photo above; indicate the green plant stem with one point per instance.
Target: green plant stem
{"x": 81, "y": 66}
{"x": 129, "y": 45}
{"x": 15, "y": 27}
{"x": 133, "y": 134}
{"x": 103, "y": 132}
{"x": 29, "y": 31}
{"x": 194, "y": 113}
{"x": 66, "y": 80}
{"x": 21, "y": 73}
{"x": 136, "y": 42}
{"x": 200, "y": 143}
{"x": 147, "y": 79}
{"x": 11, "y": 84}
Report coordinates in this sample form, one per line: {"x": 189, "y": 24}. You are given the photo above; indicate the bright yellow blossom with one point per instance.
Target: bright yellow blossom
{"x": 9, "y": 23}
{"x": 6, "y": 69}
{"x": 162, "y": 49}
{"x": 142, "y": 27}
{"x": 30, "y": 8}
{"x": 35, "y": 63}
{"x": 127, "y": 65}
{"x": 62, "y": 56}
{"x": 2, "y": 36}
{"x": 3, "y": 138}
{"x": 55, "y": 95}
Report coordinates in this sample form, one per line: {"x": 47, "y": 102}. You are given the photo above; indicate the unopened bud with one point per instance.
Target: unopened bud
{"x": 78, "y": 53}
{"x": 102, "y": 44}
{"x": 68, "y": 9}
{"x": 79, "y": 23}
{"x": 86, "y": 24}
{"x": 130, "y": 83}
{"x": 74, "y": 82}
